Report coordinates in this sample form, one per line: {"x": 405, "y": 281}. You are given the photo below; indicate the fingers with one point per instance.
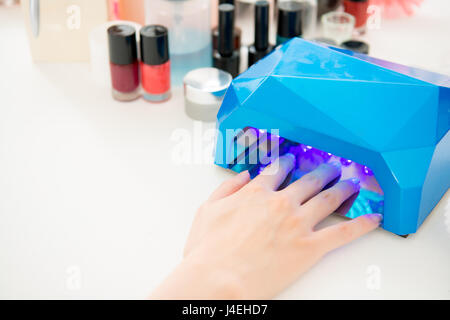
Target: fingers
{"x": 342, "y": 233}
{"x": 230, "y": 186}
{"x": 274, "y": 174}
{"x": 326, "y": 202}
{"x": 312, "y": 183}
{"x": 347, "y": 205}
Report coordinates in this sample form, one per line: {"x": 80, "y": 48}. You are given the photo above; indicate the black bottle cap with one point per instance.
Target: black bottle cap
{"x": 290, "y": 19}
{"x": 226, "y": 1}
{"x": 236, "y": 38}
{"x": 261, "y": 25}
{"x": 122, "y": 44}
{"x": 154, "y": 45}
{"x": 226, "y": 29}
{"x": 356, "y": 46}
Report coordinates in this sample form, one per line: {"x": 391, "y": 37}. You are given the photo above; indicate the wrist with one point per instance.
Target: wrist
{"x": 213, "y": 281}
{"x": 196, "y": 278}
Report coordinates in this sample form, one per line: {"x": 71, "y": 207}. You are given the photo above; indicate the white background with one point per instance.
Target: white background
{"x": 92, "y": 205}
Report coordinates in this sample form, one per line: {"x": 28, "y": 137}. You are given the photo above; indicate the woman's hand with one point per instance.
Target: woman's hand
{"x": 251, "y": 241}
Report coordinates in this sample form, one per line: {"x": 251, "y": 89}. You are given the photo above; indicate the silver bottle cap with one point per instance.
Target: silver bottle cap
{"x": 204, "y": 90}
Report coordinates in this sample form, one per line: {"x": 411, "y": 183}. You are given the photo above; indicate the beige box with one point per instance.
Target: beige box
{"x": 58, "y": 29}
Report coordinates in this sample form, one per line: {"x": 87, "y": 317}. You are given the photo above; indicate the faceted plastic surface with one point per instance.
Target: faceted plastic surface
{"x": 392, "y": 118}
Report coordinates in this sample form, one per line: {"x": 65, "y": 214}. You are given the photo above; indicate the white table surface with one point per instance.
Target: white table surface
{"x": 92, "y": 205}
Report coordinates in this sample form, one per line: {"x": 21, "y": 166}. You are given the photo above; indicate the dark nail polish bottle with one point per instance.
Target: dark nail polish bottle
{"x": 289, "y": 21}
{"x": 123, "y": 62}
{"x": 237, "y": 36}
{"x": 226, "y": 57}
{"x": 261, "y": 46}
{"x": 155, "y": 64}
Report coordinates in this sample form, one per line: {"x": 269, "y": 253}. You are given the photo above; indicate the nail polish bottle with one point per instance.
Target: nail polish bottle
{"x": 123, "y": 62}
{"x": 237, "y": 32}
{"x": 226, "y": 57}
{"x": 289, "y": 21}
{"x": 237, "y": 36}
{"x": 155, "y": 63}
{"x": 261, "y": 46}
{"x": 358, "y": 9}
{"x": 308, "y": 17}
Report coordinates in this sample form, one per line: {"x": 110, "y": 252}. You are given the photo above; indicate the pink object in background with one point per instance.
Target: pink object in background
{"x": 113, "y": 10}
{"x": 392, "y": 9}
{"x": 130, "y": 10}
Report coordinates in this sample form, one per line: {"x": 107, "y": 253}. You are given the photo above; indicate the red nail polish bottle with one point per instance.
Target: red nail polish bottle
{"x": 358, "y": 9}
{"x": 155, "y": 63}
{"x": 124, "y": 64}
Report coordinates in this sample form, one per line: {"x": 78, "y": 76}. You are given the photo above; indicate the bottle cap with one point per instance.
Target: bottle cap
{"x": 204, "y": 90}
{"x": 290, "y": 19}
{"x": 226, "y": 29}
{"x": 261, "y": 25}
{"x": 122, "y": 44}
{"x": 154, "y": 45}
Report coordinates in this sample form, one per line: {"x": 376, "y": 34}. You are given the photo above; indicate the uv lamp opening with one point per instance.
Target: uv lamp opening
{"x": 254, "y": 149}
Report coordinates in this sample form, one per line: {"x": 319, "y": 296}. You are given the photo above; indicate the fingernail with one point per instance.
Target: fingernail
{"x": 336, "y": 165}
{"x": 294, "y": 159}
{"x": 376, "y": 217}
{"x": 290, "y": 155}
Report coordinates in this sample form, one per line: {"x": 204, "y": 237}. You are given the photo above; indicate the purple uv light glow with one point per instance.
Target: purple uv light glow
{"x": 311, "y": 156}
{"x": 346, "y": 162}
{"x": 325, "y": 156}
{"x": 306, "y": 150}
{"x": 367, "y": 171}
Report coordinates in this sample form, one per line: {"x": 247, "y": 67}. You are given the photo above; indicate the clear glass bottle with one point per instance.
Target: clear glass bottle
{"x": 189, "y": 25}
{"x": 338, "y": 26}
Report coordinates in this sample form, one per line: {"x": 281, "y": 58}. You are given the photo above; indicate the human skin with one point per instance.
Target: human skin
{"x": 250, "y": 240}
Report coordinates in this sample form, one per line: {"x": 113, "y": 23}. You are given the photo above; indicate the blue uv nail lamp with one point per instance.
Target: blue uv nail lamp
{"x": 387, "y": 124}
